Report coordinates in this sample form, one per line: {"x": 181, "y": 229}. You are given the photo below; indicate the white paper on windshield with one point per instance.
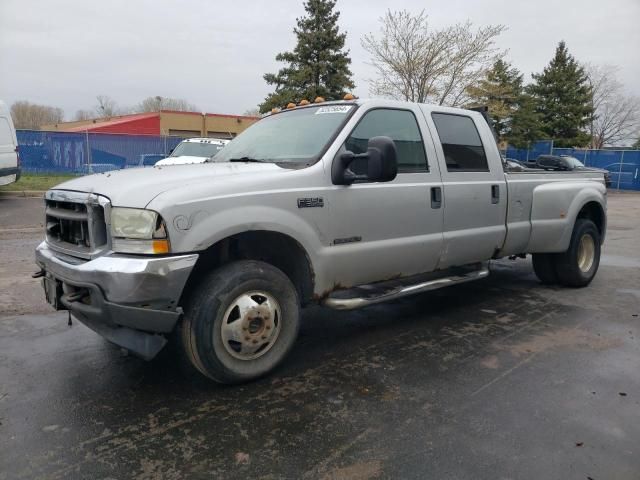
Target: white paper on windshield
{"x": 334, "y": 109}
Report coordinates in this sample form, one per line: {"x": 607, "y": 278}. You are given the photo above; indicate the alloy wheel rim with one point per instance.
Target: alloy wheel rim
{"x": 251, "y": 325}
{"x": 586, "y": 253}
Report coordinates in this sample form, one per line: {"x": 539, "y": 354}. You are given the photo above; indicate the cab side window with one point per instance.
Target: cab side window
{"x": 399, "y": 125}
{"x": 463, "y": 149}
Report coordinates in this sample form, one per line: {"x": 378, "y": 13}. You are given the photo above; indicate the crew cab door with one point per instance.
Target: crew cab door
{"x": 382, "y": 230}
{"x": 474, "y": 187}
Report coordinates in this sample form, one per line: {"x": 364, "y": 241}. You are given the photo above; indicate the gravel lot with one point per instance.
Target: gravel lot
{"x": 498, "y": 379}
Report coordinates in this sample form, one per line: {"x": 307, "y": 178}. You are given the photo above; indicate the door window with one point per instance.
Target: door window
{"x": 461, "y": 144}
{"x": 401, "y": 126}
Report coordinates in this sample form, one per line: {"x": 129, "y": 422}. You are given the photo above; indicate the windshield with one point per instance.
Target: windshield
{"x": 296, "y": 136}
{"x": 573, "y": 162}
{"x": 196, "y": 149}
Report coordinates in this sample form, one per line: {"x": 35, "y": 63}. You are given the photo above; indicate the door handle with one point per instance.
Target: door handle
{"x": 495, "y": 193}
{"x": 436, "y": 197}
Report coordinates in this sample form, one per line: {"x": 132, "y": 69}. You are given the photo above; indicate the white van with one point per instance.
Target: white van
{"x": 9, "y": 159}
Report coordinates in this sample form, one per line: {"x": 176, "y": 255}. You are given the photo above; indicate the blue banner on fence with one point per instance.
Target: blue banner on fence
{"x": 84, "y": 153}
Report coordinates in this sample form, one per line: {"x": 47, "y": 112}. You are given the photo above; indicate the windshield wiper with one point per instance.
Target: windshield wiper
{"x": 247, "y": 159}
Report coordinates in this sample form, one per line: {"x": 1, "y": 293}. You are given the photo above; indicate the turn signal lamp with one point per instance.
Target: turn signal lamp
{"x": 275, "y": 110}
{"x": 291, "y": 105}
{"x": 160, "y": 246}
{"x": 319, "y": 100}
{"x": 349, "y": 96}
{"x": 304, "y": 102}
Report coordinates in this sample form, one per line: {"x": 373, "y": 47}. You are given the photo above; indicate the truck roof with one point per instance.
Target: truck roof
{"x": 383, "y": 103}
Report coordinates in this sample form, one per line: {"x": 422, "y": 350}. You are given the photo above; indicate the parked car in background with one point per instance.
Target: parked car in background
{"x": 194, "y": 150}
{"x": 569, "y": 163}
{"x": 9, "y": 156}
{"x": 514, "y": 165}
{"x": 91, "y": 168}
{"x": 146, "y": 160}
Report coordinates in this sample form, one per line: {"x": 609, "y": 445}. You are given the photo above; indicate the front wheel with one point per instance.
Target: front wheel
{"x": 578, "y": 265}
{"x": 241, "y": 322}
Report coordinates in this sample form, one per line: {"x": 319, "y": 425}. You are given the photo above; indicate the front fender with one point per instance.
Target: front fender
{"x": 202, "y": 229}
{"x": 554, "y": 210}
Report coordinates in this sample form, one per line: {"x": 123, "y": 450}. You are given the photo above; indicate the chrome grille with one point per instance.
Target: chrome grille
{"x": 75, "y": 223}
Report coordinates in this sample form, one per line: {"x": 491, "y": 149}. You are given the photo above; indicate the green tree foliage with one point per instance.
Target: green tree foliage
{"x": 512, "y": 110}
{"x": 525, "y": 127}
{"x": 563, "y": 99}
{"x": 318, "y": 65}
{"x": 637, "y": 144}
{"x": 499, "y": 90}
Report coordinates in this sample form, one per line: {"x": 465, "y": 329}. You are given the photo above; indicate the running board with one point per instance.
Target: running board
{"x": 365, "y": 295}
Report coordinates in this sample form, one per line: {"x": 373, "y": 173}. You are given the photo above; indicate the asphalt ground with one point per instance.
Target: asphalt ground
{"x": 497, "y": 379}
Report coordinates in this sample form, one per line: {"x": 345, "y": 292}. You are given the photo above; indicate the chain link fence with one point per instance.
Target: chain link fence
{"x": 624, "y": 165}
{"x": 66, "y": 153}
{"x": 84, "y": 153}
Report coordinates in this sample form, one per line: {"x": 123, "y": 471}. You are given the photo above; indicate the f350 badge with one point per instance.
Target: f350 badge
{"x": 317, "y": 202}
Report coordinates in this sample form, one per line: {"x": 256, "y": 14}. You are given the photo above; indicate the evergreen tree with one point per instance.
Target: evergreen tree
{"x": 318, "y": 66}
{"x": 500, "y": 90}
{"x": 525, "y": 125}
{"x": 563, "y": 99}
{"x": 637, "y": 144}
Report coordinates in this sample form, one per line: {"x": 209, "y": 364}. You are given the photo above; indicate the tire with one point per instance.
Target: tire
{"x": 545, "y": 268}
{"x": 578, "y": 265}
{"x": 241, "y": 322}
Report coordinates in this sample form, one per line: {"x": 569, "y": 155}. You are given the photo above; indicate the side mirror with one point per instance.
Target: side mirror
{"x": 381, "y": 158}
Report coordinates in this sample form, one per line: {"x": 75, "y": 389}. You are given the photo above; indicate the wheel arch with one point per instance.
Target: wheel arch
{"x": 275, "y": 248}
{"x": 595, "y": 212}
{"x": 556, "y": 207}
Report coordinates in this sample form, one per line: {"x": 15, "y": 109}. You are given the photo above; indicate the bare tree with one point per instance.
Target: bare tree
{"x": 252, "y": 112}
{"x": 84, "y": 115}
{"x": 420, "y": 64}
{"x": 107, "y": 106}
{"x": 32, "y": 116}
{"x": 616, "y": 116}
{"x": 157, "y": 103}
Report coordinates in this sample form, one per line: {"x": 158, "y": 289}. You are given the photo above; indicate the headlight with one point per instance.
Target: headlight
{"x": 135, "y": 230}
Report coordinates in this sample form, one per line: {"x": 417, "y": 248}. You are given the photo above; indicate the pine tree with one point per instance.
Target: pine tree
{"x": 525, "y": 125}
{"x": 563, "y": 99}
{"x": 318, "y": 66}
{"x": 499, "y": 90}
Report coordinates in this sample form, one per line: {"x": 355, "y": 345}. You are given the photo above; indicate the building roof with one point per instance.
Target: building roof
{"x": 136, "y": 123}
{"x": 100, "y": 123}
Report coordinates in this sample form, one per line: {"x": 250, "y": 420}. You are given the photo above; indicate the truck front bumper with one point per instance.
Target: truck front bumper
{"x": 129, "y": 300}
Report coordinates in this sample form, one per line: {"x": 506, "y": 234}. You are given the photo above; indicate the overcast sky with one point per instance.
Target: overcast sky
{"x": 213, "y": 53}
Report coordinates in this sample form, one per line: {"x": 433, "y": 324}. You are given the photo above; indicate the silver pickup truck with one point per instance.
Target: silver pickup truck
{"x": 344, "y": 203}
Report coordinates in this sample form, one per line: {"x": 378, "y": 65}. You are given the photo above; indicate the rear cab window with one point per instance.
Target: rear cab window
{"x": 461, "y": 143}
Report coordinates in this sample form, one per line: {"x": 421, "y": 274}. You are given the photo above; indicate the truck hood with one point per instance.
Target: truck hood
{"x": 136, "y": 187}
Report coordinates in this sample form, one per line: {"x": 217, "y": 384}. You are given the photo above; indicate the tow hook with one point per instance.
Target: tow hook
{"x": 76, "y": 296}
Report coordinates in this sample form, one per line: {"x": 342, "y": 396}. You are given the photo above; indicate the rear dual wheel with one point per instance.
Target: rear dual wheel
{"x": 578, "y": 265}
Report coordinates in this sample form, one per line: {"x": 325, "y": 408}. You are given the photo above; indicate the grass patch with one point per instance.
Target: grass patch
{"x": 35, "y": 182}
